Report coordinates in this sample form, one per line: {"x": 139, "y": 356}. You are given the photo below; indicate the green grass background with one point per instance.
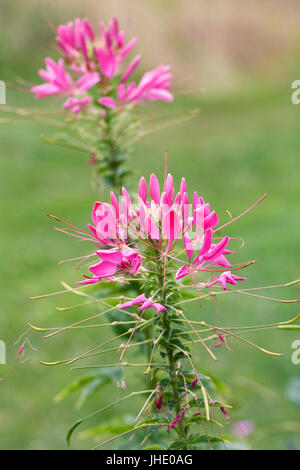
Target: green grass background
{"x": 243, "y": 143}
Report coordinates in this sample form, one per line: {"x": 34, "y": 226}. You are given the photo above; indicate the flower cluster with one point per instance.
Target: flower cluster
{"x": 93, "y": 70}
{"x": 166, "y": 222}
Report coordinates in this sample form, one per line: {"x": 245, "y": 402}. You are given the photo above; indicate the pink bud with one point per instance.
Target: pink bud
{"x": 193, "y": 384}
{"x": 158, "y": 402}
{"x": 170, "y": 187}
{"x": 21, "y": 349}
{"x": 225, "y": 412}
{"x": 176, "y": 420}
{"x": 221, "y": 338}
{"x": 143, "y": 189}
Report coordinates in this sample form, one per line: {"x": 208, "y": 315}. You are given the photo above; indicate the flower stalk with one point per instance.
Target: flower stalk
{"x": 164, "y": 249}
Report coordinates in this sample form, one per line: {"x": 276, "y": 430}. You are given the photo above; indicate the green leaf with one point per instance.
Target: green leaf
{"x": 115, "y": 426}
{"x": 194, "y": 442}
{"x": 91, "y": 388}
{"x": 155, "y": 419}
{"x": 177, "y": 445}
{"x": 90, "y": 383}
{"x": 71, "y": 430}
{"x": 195, "y": 419}
{"x": 76, "y": 385}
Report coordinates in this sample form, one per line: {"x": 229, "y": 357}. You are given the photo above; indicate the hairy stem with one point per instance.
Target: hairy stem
{"x": 112, "y": 155}
{"x": 172, "y": 368}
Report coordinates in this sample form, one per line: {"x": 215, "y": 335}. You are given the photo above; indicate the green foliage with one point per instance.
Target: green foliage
{"x": 89, "y": 384}
{"x": 196, "y": 442}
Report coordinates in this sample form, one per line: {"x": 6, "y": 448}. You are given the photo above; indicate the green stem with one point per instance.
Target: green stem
{"x": 113, "y": 153}
{"x": 180, "y": 428}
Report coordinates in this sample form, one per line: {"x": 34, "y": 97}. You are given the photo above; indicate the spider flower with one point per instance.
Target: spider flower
{"x": 166, "y": 223}
{"x": 112, "y": 262}
{"x": 93, "y": 70}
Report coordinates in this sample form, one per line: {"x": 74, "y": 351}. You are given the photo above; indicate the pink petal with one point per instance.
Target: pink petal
{"x": 171, "y": 227}
{"x": 127, "y": 49}
{"x": 188, "y": 245}
{"x": 183, "y": 271}
{"x": 130, "y": 69}
{"x": 112, "y": 256}
{"x": 115, "y": 204}
{"x": 147, "y": 304}
{"x": 158, "y": 307}
{"x": 217, "y": 250}
{"x": 139, "y": 299}
{"x": 108, "y": 102}
{"x": 211, "y": 221}
{"x": 103, "y": 269}
{"x": 206, "y": 243}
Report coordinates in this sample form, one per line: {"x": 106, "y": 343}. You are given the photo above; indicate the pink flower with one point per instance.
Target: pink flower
{"x": 58, "y": 81}
{"x": 144, "y": 304}
{"x": 77, "y": 104}
{"x": 89, "y": 59}
{"x": 224, "y": 278}
{"x": 209, "y": 253}
{"x": 21, "y": 349}
{"x": 74, "y": 37}
{"x": 166, "y": 221}
{"x": 154, "y": 85}
{"x": 87, "y": 81}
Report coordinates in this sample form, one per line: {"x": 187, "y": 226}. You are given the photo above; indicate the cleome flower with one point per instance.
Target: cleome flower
{"x": 91, "y": 60}
{"x": 114, "y": 261}
{"x": 167, "y": 224}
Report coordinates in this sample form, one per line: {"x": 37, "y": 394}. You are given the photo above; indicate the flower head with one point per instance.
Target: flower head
{"x": 168, "y": 224}
{"x": 112, "y": 262}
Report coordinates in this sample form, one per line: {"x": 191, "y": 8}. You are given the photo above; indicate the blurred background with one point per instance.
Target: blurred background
{"x": 243, "y": 58}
